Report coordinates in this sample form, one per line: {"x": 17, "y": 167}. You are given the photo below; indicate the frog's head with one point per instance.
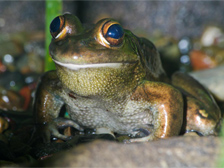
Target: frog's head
{"x": 104, "y": 45}
{"x": 97, "y": 56}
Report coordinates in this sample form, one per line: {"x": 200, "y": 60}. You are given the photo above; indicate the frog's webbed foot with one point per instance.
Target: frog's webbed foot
{"x": 51, "y": 129}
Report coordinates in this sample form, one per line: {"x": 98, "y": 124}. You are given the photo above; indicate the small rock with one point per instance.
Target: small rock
{"x": 10, "y": 100}
{"x": 25, "y": 92}
{"x": 210, "y": 34}
{"x": 213, "y": 79}
{"x": 12, "y": 80}
{"x": 201, "y": 60}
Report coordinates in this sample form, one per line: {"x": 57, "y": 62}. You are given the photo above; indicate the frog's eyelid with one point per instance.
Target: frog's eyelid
{"x": 64, "y": 31}
{"x": 77, "y": 66}
{"x": 59, "y": 34}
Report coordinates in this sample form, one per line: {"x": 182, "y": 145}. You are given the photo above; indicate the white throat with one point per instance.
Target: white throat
{"x": 77, "y": 66}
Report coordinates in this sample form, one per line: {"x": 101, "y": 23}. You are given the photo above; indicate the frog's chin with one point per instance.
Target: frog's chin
{"x": 82, "y": 66}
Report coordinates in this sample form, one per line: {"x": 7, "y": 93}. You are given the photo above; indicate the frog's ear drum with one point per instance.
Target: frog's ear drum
{"x": 56, "y": 27}
{"x": 113, "y": 33}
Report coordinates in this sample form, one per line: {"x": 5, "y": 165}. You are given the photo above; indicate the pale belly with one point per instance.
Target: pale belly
{"x": 122, "y": 118}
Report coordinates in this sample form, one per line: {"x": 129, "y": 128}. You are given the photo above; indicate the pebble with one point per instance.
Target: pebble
{"x": 11, "y": 100}
{"x": 213, "y": 79}
{"x": 200, "y": 60}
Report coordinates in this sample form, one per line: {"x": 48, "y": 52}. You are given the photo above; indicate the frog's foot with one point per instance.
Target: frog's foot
{"x": 192, "y": 133}
{"x": 146, "y": 134}
{"x": 143, "y": 139}
{"x": 52, "y": 129}
{"x": 104, "y": 130}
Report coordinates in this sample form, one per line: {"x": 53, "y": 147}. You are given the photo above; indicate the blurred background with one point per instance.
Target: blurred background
{"x": 175, "y": 19}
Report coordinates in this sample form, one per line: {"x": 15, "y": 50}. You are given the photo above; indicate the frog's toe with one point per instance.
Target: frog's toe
{"x": 51, "y": 129}
{"x": 142, "y": 132}
{"x": 63, "y": 123}
{"x": 56, "y": 134}
{"x": 150, "y": 137}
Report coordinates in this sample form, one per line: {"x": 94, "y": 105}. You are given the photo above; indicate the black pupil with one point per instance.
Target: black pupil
{"x": 55, "y": 25}
{"x": 115, "y": 31}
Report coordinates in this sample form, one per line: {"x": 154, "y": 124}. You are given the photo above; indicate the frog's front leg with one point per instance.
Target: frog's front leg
{"x": 166, "y": 104}
{"x": 47, "y": 107}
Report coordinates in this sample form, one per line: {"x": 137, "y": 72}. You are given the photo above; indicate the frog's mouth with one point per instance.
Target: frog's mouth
{"x": 81, "y": 66}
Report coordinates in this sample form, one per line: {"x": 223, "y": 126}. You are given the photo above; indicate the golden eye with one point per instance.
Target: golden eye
{"x": 113, "y": 33}
{"x": 56, "y": 26}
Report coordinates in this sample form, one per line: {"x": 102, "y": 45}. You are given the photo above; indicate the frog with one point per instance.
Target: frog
{"x": 112, "y": 81}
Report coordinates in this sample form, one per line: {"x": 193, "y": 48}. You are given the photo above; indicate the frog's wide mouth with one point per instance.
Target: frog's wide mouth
{"x": 94, "y": 65}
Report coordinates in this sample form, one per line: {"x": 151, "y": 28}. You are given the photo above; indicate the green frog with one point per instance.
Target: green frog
{"x": 113, "y": 81}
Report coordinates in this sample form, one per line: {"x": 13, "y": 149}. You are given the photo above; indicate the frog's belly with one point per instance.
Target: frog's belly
{"x": 98, "y": 118}
{"x": 122, "y": 121}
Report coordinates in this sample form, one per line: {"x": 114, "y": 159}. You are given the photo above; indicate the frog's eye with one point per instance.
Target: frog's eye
{"x": 113, "y": 33}
{"x": 56, "y": 26}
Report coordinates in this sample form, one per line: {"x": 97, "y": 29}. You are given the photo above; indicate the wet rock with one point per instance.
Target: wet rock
{"x": 12, "y": 80}
{"x": 173, "y": 152}
{"x": 29, "y": 63}
{"x": 10, "y": 46}
{"x": 207, "y": 57}
{"x": 200, "y": 60}
{"x": 43, "y": 151}
{"x": 10, "y": 100}
{"x": 213, "y": 79}
{"x": 25, "y": 92}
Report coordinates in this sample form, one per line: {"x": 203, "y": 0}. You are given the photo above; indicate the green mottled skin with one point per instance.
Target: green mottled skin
{"x": 131, "y": 99}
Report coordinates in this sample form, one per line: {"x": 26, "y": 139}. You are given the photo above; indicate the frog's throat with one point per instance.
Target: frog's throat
{"x": 78, "y": 66}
